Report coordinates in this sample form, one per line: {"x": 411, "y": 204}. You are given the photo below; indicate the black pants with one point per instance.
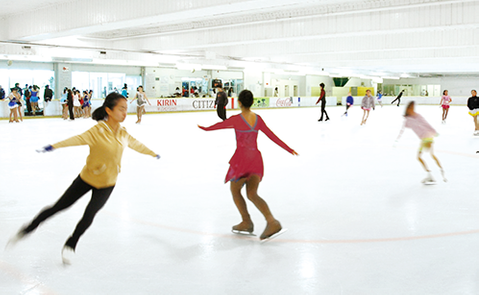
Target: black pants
{"x": 222, "y": 112}
{"x": 76, "y": 190}
{"x": 348, "y": 106}
{"x": 70, "y": 111}
{"x": 323, "y": 110}
{"x": 398, "y": 98}
{"x": 29, "y": 106}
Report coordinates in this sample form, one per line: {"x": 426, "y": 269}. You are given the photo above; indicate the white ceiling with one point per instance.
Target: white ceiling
{"x": 346, "y": 37}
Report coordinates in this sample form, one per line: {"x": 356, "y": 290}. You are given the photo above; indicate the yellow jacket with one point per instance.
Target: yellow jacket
{"x": 106, "y": 149}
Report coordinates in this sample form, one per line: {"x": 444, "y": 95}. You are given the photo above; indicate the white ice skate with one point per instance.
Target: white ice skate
{"x": 282, "y": 231}
{"x": 67, "y": 255}
{"x": 429, "y": 179}
{"x": 443, "y": 175}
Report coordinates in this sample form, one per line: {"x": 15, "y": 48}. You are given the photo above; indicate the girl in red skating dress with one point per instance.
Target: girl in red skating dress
{"x": 246, "y": 165}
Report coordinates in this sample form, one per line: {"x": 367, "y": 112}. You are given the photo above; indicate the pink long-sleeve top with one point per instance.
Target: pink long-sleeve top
{"x": 247, "y": 159}
{"x": 420, "y": 126}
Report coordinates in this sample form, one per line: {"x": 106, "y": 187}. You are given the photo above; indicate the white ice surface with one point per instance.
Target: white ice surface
{"x": 359, "y": 219}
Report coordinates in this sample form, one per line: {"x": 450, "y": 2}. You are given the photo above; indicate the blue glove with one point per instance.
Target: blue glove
{"x": 158, "y": 157}
{"x": 45, "y": 149}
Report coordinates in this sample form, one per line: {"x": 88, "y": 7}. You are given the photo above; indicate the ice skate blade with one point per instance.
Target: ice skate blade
{"x": 282, "y": 231}
{"x": 243, "y": 233}
{"x": 430, "y": 183}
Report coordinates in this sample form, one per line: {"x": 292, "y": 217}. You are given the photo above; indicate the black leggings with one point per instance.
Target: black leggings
{"x": 323, "y": 110}
{"x": 222, "y": 112}
{"x": 76, "y": 190}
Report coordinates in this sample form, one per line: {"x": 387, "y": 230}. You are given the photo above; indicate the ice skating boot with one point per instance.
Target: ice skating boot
{"x": 67, "y": 255}
{"x": 429, "y": 179}
{"x": 443, "y": 175}
{"x": 271, "y": 229}
{"x": 243, "y": 228}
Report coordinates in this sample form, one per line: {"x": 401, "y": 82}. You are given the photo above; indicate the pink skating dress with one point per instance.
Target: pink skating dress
{"x": 247, "y": 160}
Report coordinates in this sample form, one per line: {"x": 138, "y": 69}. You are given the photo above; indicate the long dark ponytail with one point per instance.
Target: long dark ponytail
{"x": 110, "y": 102}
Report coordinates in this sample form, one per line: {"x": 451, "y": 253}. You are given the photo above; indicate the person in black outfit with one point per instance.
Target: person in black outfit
{"x": 47, "y": 94}
{"x": 323, "y": 99}
{"x": 398, "y": 98}
{"x": 221, "y": 102}
{"x": 28, "y": 93}
{"x": 472, "y": 105}
{"x": 70, "y": 104}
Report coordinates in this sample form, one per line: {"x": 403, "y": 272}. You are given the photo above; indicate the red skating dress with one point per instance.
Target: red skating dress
{"x": 247, "y": 159}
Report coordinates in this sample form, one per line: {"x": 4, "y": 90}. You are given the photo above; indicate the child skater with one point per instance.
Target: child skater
{"x": 472, "y": 105}
{"x": 379, "y": 97}
{"x": 142, "y": 100}
{"x": 349, "y": 103}
{"x": 445, "y": 103}
{"x": 368, "y": 103}
{"x": 106, "y": 140}
{"x": 426, "y": 133}
{"x": 246, "y": 165}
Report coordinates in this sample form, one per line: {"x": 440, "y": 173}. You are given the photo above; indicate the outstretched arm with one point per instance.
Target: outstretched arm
{"x": 274, "y": 138}
{"x": 140, "y": 147}
{"x": 401, "y": 131}
{"x": 229, "y": 123}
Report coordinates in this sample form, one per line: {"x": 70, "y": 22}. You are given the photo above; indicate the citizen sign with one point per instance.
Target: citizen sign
{"x": 284, "y": 102}
{"x": 203, "y": 104}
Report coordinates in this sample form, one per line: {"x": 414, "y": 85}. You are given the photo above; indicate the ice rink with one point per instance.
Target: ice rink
{"x": 359, "y": 219}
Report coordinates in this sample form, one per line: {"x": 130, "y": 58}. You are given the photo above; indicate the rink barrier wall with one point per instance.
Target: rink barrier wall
{"x": 54, "y": 107}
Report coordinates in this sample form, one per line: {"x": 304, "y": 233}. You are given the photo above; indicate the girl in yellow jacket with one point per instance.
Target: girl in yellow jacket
{"x": 106, "y": 140}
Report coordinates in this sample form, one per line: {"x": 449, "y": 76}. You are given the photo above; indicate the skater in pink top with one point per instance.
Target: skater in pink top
{"x": 246, "y": 165}
{"x": 445, "y": 103}
{"x": 426, "y": 133}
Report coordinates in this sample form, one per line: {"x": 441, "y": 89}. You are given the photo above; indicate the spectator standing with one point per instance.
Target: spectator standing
{"x": 2, "y": 93}
{"x": 47, "y": 94}
{"x": 34, "y": 99}
{"x": 70, "y": 104}
{"x": 13, "y": 98}
{"x": 27, "y": 92}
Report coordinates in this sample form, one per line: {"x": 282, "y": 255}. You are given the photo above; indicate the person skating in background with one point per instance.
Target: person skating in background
{"x": 322, "y": 99}
{"x": 107, "y": 141}
{"x": 472, "y": 105}
{"x": 398, "y": 98}
{"x": 379, "y": 98}
{"x": 349, "y": 102}
{"x": 142, "y": 100}
{"x": 445, "y": 104}
{"x": 246, "y": 165}
{"x": 368, "y": 103}
{"x": 426, "y": 133}
{"x": 221, "y": 101}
